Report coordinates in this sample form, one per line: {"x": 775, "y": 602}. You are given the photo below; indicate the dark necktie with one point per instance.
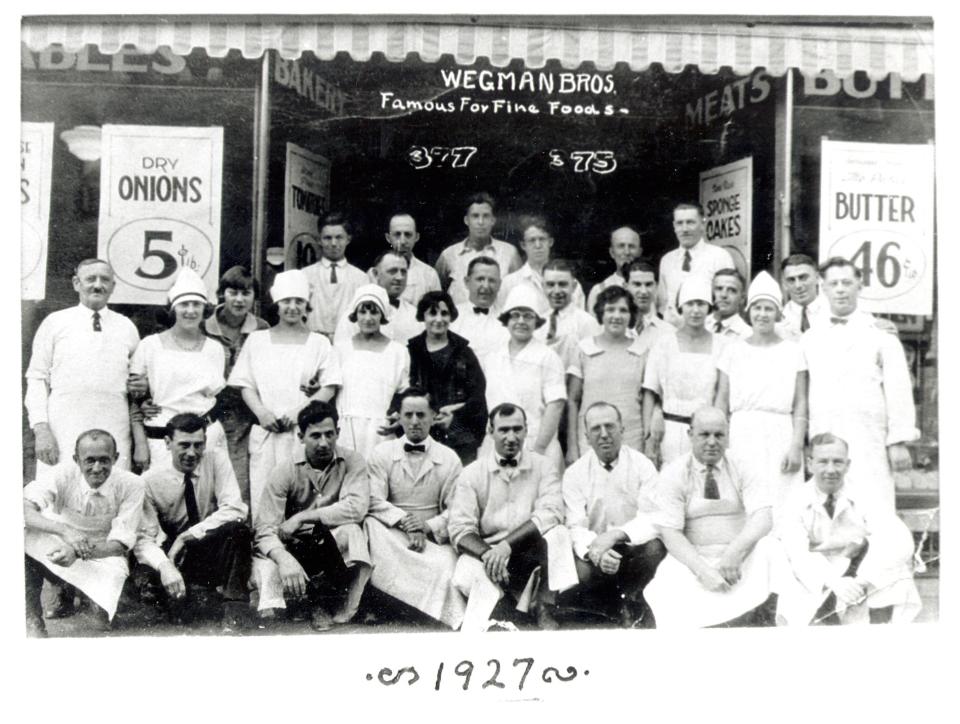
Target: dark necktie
{"x": 718, "y": 327}
{"x": 710, "y": 489}
{"x": 395, "y": 303}
{"x": 333, "y": 273}
{"x": 838, "y": 320}
{"x": 804, "y": 320}
{"x": 686, "y": 260}
{"x": 507, "y": 462}
{"x": 640, "y": 326}
{"x": 410, "y": 448}
{"x": 830, "y": 504}
{"x": 96, "y": 322}
{"x": 552, "y": 332}
{"x": 607, "y": 466}
{"x": 481, "y": 310}
{"x": 190, "y": 498}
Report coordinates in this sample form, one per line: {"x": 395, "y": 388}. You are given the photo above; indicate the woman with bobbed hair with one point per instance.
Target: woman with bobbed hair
{"x": 443, "y": 364}
{"x": 607, "y": 368}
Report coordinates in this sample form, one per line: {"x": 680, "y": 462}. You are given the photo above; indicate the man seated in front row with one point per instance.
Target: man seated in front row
{"x": 309, "y": 543}
{"x": 80, "y": 519}
{"x": 412, "y": 480}
{"x": 506, "y": 521}
{"x": 615, "y": 542}
{"x": 194, "y": 527}
{"x": 713, "y": 512}
{"x": 843, "y": 566}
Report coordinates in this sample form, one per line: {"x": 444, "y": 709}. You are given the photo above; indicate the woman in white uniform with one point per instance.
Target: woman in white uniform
{"x": 183, "y": 368}
{"x": 374, "y": 369}
{"x": 279, "y": 370}
{"x": 681, "y": 372}
{"x": 762, "y": 386}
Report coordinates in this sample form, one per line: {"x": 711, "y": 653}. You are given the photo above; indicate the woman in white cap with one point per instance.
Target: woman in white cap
{"x": 524, "y": 371}
{"x": 374, "y": 369}
{"x": 681, "y": 372}
{"x": 763, "y": 387}
{"x": 183, "y": 368}
{"x": 279, "y": 370}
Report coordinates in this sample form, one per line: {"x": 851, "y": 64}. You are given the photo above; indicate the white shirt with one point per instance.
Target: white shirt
{"x": 705, "y": 260}
{"x": 421, "y": 278}
{"x": 653, "y": 328}
{"x": 165, "y": 508}
{"x": 328, "y": 301}
{"x": 70, "y": 359}
{"x": 572, "y": 321}
{"x": 597, "y": 500}
{"x": 403, "y": 324}
{"x": 818, "y": 315}
{"x": 484, "y": 332}
{"x": 455, "y": 259}
{"x": 732, "y": 326}
{"x": 527, "y": 275}
{"x": 614, "y": 280}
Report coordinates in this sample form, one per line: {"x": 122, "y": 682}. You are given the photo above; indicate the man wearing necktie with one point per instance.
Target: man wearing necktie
{"x": 80, "y": 520}
{"x": 693, "y": 256}
{"x": 506, "y": 521}
{"x": 729, "y": 289}
{"x": 567, "y": 323}
{"x": 477, "y": 318}
{"x": 860, "y": 389}
{"x": 616, "y": 546}
{"x": 411, "y": 484}
{"x": 712, "y": 511}
{"x": 841, "y": 565}
{"x": 194, "y": 531}
{"x": 402, "y": 236}
{"x": 389, "y": 271}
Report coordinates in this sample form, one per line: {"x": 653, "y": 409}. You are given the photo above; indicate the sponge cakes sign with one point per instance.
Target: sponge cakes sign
{"x": 160, "y": 196}
{"x": 726, "y": 194}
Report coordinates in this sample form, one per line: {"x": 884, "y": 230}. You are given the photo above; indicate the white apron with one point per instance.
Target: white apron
{"x": 765, "y": 438}
{"x": 268, "y": 451}
{"x": 73, "y": 413}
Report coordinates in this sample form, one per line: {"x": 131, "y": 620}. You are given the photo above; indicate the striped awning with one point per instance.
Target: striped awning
{"x": 877, "y": 50}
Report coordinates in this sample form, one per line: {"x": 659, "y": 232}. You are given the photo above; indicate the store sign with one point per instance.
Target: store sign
{"x": 877, "y": 209}
{"x": 733, "y": 97}
{"x": 309, "y": 85}
{"x": 36, "y": 166}
{"x": 726, "y": 194}
{"x": 828, "y": 83}
{"x": 160, "y": 196}
{"x": 307, "y": 198}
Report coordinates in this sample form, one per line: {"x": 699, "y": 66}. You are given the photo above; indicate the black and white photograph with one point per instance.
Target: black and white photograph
{"x": 621, "y": 327}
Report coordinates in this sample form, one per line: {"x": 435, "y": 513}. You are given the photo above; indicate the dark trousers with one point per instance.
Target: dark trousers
{"x": 827, "y": 613}
{"x": 604, "y": 592}
{"x": 524, "y": 558}
{"x": 320, "y": 557}
{"x": 34, "y": 574}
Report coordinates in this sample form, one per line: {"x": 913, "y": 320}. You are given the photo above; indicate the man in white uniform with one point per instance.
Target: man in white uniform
{"x": 713, "y": 511}
{"x": 390, "y": 273}
{"x": 332, "y": 279}
{"x": 402, "y": 236}
{"x": 624, "y": 248}
{"x": 477, "y": 321}
{"x": 536, "y": 243}
{"x": 693, "y": 256}
{"x": 80, "y": 520}
{"x": 77, "y": 377}
{"x": 729, "y": 288}
{"x": 842, "y": 565}
{"x": 453, "y": 261}
{"x": 642, "y": 283}
{"x": 567, "y": 322}
{"x": 860, "y": 390}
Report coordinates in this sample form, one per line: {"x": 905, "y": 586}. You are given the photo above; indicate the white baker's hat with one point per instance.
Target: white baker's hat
{"x": 290, "y": 284}
{"x": 372, "y": 293}
{"x": 765, "y": 287}
{"x": 695, "y": 287}
{"x": 188, "y": 287}
{"x": 525, "y": 296}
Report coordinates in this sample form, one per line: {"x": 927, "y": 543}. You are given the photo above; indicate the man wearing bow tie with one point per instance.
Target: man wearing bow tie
{"x": 860, "y": 390}
{"x": 390, "y": 272}
{"x": 194, "y": 523}
{"x": 411, "y": 483}
{"x": 477, "y": 319}
{"x": 506, "y": 521}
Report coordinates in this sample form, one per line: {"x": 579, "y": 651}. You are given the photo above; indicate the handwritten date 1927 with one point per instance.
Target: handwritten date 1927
{"x": 517, "y": 676}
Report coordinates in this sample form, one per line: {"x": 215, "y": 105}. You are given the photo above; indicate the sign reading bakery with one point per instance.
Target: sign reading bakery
{"x": 160, "y": 196}
{"x": 877, "y": 210}
{"x": 36, "y": 162}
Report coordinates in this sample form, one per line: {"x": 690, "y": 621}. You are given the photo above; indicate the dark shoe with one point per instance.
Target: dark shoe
{"x": 36, "y": 628}
{"x": 320, "y": 620}
{"x": 632, "y": 614}
{"x": 545, "y": 618}
{"x": 234, "y": 614}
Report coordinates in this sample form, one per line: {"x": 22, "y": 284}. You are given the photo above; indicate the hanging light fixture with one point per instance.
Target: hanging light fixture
{"x": 83, "y": 142}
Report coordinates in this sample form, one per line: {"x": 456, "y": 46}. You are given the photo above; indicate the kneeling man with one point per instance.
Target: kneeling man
{"x": 844, "y": 566}
{"x": 506, "y": 520}
{"x": 307, "y": 530}
{"x": 614, "y": 537}
{"x": 411, "y": 483}
{"x": 80, "y": 520}
{"x": 713, "y": 513}
{"x": 194, "y": 527}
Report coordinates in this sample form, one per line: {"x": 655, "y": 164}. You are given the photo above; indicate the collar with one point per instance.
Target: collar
{"x": 87, "y": 312}
{"x": 523, "y": 461}
{"x": 326, "y": 263}
{"x": 528, "y": 272}
{"x": 819, "y": 498}
{"x": 695, "y": 249}
{"x": 465, "y": 247}
{"x": 589, "y": 346}
{"x": 467, "y": 308}
{"x": 701, "y": 468}
{"x": 300, "y": 458}
{"x": 86, "y": 488}
{"x": 399, "y": 454}
{"x": 615, "y": 280}
{"x": 250, "y": 323}
{"x": 617, "y": 462}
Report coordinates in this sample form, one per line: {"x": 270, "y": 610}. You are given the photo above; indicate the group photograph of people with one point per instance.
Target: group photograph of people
{"x": 485, "y": 441}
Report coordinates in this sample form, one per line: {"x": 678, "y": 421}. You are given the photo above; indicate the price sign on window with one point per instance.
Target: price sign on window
{"x": 160, "y": 191}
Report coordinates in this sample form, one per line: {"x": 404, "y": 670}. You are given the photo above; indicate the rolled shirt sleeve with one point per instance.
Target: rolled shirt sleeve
{"x": 753, "y": 491}
{"x": 554, "y": 383}
{"x": 126, "y": 524}
{"x": 668, "y": 499}
{"x": 271, "y": 509}
{"x": 42, "y": 492}
{"x": 148, "y": 548}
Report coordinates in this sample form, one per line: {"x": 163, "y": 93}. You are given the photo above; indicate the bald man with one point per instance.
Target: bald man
{"x": 624, "y": 248}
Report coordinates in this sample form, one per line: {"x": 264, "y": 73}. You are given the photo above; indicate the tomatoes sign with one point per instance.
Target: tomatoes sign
{"x": 876, "y": 209}
{"x": 160, "y": 191}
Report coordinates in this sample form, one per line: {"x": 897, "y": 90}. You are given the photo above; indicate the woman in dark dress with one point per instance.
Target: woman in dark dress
{"x": 443, "y": 363}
